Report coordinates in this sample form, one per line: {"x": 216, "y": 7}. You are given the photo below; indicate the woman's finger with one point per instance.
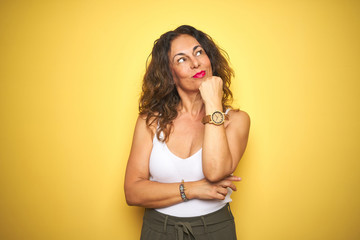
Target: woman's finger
{"x": 228, "y": 184}
{"x": 233, "y": 178}
{"x": 219, "y": 196}
{"x": 222, "y": 191}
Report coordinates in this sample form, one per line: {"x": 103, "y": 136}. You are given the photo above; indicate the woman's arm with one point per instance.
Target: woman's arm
{"x": 222, "y": 147}
{"x": 140, "y": 191}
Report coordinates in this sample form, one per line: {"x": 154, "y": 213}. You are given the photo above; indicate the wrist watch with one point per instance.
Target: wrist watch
{"x": 216, "y": 118}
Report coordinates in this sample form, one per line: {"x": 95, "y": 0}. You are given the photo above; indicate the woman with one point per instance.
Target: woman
{"x": 187, "y": 141}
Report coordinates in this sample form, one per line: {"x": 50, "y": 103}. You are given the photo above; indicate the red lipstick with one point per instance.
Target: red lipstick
{"x": 199, "y": 74}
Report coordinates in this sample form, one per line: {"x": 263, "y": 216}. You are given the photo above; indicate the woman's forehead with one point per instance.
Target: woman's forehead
{"x": 183, "y": 44}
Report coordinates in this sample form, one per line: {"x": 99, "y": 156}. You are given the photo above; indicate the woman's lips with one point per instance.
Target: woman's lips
{"x": 199, "y": 74}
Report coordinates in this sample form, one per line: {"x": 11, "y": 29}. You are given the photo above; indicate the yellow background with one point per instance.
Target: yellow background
{"x": 70, "y": 78}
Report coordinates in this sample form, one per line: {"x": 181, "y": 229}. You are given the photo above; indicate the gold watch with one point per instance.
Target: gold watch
{"x": 216, "y": 118}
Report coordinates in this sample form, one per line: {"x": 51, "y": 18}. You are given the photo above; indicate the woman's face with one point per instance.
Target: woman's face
{"x": 189, "y": 63}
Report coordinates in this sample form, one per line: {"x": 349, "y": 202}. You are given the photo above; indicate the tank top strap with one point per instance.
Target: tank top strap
{"x": 161, "y": 134}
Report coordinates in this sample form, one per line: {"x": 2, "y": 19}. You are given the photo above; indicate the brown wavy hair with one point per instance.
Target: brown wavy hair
{"x": 159, "y": 99}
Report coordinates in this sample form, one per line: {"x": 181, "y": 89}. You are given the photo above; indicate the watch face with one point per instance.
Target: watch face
{"x": 217, "y": 117}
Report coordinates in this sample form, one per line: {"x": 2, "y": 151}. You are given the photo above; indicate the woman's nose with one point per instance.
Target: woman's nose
{"x": 195, "y": 63}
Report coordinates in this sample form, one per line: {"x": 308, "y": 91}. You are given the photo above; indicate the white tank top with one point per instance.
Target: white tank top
{"x": 166, "y": 167}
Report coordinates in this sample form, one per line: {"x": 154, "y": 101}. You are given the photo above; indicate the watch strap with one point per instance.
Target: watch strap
{"x": 207, "y": 118}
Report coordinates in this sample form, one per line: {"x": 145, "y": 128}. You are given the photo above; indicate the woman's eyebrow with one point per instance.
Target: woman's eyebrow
{"x": 194, "y": 48}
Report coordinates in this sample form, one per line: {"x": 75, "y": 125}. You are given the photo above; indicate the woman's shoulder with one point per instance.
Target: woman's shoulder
{"x": 144, "y": 125}
{"x": 237, "y": 113}
{"x": 239, "y": 118}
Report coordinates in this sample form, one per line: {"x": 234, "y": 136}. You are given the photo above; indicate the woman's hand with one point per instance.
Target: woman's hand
{"x": 204, "y": 189}
{"x": 211, "y": 90}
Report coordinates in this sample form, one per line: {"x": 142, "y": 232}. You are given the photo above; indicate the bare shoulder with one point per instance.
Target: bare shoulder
{"x": 138, "y": 162}
{"x": 239, "y": 118}
{"x": 143, "y": 127}
{"x": 140, "y": 149}
{"x": 237, "y": 133}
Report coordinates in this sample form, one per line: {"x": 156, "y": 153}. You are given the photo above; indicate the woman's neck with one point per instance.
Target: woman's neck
{"x": 191, "y": 104}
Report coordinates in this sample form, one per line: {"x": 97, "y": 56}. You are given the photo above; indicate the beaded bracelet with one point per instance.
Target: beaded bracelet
{"x": 182, "y": 191}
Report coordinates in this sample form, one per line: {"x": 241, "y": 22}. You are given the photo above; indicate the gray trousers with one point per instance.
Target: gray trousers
{"x": 217, "y": 225}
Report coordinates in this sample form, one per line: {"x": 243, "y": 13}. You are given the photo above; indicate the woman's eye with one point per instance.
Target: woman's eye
{"x": 180, "y": 60}
{"x": 198, "y": 53}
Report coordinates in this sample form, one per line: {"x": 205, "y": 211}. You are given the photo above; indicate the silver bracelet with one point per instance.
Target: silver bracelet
{"x": 182, "y": 191}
